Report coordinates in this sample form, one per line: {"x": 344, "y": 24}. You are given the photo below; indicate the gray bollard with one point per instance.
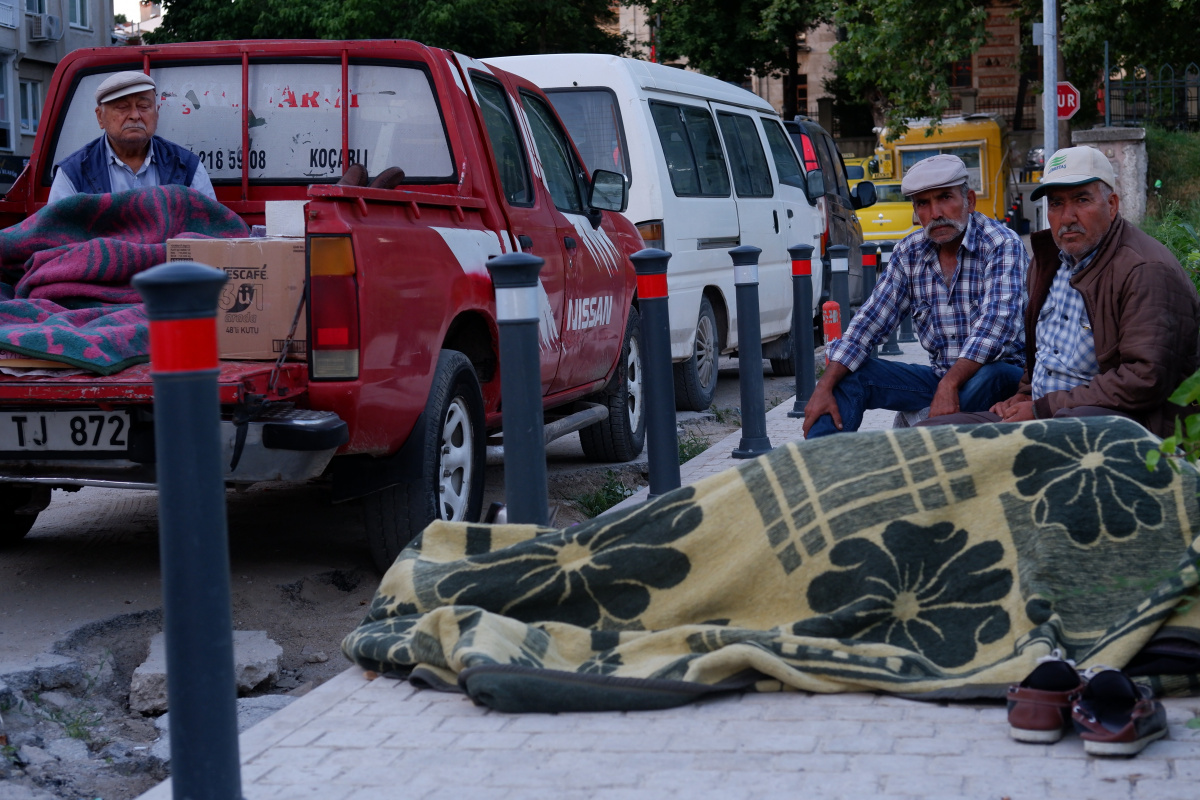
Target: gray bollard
{"x": 890, "y": 347}
{"x": 181, "y": 303}
{"x": 868, "y": 250}
{"x": 839, "y": 280}
{"x": 754, "y": 440}
{"x": 802, "y": 326}
{"x": 662, "y": 441}
{"x": 515, "y": 276}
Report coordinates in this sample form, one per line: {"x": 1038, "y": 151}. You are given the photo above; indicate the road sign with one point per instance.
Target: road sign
{"x": 1068, "y": 100}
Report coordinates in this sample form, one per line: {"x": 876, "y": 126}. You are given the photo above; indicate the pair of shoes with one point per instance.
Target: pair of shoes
{"x": 1117, "y": 717}
{"x": 1113, "y": 715}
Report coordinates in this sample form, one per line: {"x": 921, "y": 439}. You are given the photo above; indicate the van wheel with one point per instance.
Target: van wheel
{"x": 786, "y": 367}
{"x": 696, "y": 378}
{"x": 621, "y": 436}
{"x": 14, "y": 526}
{"x": 452, "y": 465}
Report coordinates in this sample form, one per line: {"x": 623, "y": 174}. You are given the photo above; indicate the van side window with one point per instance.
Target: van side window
{"x": 751, "y": 177}
{"x": 593, "y": 119}
{"x": 829, "y": 155}
{"x": 693, "y": 152}
{"x": 781, "y": 151}
{"x": 558, "y": 162}
{"x": 506, "y": 145}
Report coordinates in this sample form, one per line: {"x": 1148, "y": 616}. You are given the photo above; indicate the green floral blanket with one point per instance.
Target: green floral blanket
{"x": 933, "y": 561}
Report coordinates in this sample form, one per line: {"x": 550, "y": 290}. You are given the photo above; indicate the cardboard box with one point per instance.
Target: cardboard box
{"x": 266, "y": 283}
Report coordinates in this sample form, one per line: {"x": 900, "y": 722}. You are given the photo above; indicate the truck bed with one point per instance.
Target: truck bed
{"x": 238, "y": 380}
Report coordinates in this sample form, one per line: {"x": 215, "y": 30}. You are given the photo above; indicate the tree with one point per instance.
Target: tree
{"x": 480, "y": 28}
{"x": 896, "y": 54}
{"x": 731, "y": 39}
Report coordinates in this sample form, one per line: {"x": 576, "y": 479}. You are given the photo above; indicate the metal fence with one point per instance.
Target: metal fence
{"x": 1164, "y": 99}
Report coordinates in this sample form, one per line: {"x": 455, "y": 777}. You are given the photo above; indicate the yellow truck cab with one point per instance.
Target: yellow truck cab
{"x": 980, "y": 140}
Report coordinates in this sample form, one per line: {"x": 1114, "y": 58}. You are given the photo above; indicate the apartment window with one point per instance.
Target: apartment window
{"x": 960, "y": 74}
{"x": 31, "y": 105}
{"x": 35, "y": 6}
{"x": 6, "y": 137}
{"x": 802, "y": 93}
{"x": 77, "y": 13}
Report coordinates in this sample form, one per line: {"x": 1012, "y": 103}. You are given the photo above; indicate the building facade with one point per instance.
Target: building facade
{"x": 34, "y": 36}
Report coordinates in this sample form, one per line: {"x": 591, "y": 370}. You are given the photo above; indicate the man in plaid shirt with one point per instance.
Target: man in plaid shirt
{"x": 962, "y": 276}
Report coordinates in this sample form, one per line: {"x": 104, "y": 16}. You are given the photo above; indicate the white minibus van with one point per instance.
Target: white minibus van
{"x": 709, "y": 167}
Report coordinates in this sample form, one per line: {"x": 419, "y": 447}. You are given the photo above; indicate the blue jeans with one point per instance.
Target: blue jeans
{"x": 910, "y": 387}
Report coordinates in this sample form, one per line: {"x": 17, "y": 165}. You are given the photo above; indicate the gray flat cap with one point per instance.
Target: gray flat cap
{"x": 935, "y": 172}
{"x": 121, "y": 84}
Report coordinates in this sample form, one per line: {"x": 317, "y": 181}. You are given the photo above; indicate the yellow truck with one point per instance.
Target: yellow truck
{"x": 980, "y": 140}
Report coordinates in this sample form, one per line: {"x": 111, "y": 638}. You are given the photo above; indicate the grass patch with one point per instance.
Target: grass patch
{"x": 690, "y": 446}
{"x": 1173, "y": 170}
{"x": 1178, "y": 227}
{"x": 725, "y": 416}
{"x": 611, "y": 492}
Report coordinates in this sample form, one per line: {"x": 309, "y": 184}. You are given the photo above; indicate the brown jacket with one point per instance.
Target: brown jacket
{"x": 1144, "y": 314}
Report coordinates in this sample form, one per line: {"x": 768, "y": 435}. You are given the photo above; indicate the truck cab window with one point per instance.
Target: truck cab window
{"x": 562, "y": 174}
{"x": 506, "y": 145}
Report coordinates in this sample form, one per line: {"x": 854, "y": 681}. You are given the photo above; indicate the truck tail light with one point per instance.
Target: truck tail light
{"x": 333, "y": 308}
{"x": 652, "y": 233}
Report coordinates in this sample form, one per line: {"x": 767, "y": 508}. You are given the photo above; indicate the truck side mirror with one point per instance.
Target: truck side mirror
{"x": 863, "y": 195}
{"x": 816, "y": 185}
{"x": 609, "y": 191}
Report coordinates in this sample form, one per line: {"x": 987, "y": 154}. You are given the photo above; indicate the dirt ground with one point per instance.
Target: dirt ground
{"x": 80, "y": 598}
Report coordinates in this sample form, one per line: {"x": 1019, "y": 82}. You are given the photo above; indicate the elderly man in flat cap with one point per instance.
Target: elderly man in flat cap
{"x": 128, "y": 155}
{"x": 962, "y": 276}
{"x": 1112, "y": 318}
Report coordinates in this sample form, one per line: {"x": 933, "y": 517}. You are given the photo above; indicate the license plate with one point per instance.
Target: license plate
{"x": 64, "y": 431}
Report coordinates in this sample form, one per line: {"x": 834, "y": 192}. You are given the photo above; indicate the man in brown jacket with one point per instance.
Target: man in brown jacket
{"x": 1111, "y": 323}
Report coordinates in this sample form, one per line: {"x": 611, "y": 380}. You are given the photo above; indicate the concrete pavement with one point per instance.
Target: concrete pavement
{"x": 352, "y": 738}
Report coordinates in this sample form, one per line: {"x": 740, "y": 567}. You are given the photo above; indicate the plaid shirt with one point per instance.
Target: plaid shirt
{"x": 1066, "y": 348}
{"x": 978, "y": 315}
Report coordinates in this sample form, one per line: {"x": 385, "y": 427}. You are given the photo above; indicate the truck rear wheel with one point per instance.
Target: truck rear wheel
{"x": 14, "y": 526}
{"x": 621, "y": 436}
{"x": 451, "y": 468}
{"x": 696, "y": 378}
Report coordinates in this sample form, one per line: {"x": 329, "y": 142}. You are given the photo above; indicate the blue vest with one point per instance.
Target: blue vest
{"x": 87, "y": 167}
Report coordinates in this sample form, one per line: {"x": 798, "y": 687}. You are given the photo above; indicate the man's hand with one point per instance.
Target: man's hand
{"x": 1018, "y": 412}
{"x": 822, "y": 402}
{"x": 945, "y": 400}
{"x": 1000, "y": 408}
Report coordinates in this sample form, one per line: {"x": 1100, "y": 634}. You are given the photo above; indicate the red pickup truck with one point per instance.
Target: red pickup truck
{"x": 395, "y": 405}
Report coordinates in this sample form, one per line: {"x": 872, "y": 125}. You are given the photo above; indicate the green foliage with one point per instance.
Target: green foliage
{"x": 690, "y": 446}
{"x": 725, "y": 415}
{"x": 896, "y": 54}
{"x": 1173, "y": 171}
{"x": 611, "y": 492}
{"x": 1139, "y": 32}
{"x": 480, "y": 28}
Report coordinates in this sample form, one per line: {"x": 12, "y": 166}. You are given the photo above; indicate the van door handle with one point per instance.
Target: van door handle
{"x": 525, "y": 242}
{"x": 569, "y": 242}
{"x": 775, "y": 215}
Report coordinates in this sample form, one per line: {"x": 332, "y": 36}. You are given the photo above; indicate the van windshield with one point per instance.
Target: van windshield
{"x": 970, "y": 155}
{"x": 294, "y": 120}
{"x": 594, "y": 122}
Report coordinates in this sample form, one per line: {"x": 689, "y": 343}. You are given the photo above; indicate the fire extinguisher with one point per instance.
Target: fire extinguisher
{"x": 831, "y": 318}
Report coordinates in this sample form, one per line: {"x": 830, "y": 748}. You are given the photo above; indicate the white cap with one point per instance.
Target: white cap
{"x": 1075, "y": 166}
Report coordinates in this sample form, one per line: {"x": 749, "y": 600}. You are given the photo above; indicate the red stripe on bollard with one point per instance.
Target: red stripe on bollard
{"x": 651, "y": 287}
{"x": 183, "y": 345}
{"x": 869, "y": 260}
{"x": 802, "y": 267}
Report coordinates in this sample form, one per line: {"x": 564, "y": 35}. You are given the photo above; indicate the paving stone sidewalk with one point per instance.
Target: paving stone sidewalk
{"x": 353, "y": 738}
